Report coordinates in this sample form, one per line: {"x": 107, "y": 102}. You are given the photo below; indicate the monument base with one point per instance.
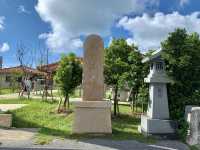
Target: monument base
{"x": 5, "y": 120}
{"x": 157, "y": 126}
{"x": 92, "y": 117}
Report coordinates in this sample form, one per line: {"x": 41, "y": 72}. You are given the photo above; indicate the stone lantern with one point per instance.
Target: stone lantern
{"x": 157, "y": 119}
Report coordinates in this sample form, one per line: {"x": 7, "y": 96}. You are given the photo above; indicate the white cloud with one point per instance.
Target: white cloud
{"x": 22, "y": 9}
{"x": 183, "y": 2}
{"x": 130, "y": 41}
{"x": 43, "y": 36}
{"x": 110, "y": 41}
{"x": 4, "y": 47}
{"x": 1, "y": 22}
{"x": 71, "y": 19}
{"x": 148, "y": 31}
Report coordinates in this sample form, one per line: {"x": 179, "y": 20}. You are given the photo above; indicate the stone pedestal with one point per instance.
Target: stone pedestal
{"x": 157, "y": 122}
{"x": 92, "y": 117}
{"x": 157, "y": 126}
{"x": 5, "y": 120}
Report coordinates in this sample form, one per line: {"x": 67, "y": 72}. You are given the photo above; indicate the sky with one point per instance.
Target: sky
{"x": 61, "y": 26}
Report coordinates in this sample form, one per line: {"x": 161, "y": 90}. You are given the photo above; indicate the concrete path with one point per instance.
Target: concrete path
{"x": 98, "y": 144}
{"x": 10, "y": 135}
{"x": 6, "y": 107}
{"x": 24, "y": 139}
{"x": 15, "y": 96}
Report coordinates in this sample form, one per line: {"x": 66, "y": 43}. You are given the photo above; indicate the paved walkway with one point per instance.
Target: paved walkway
{"x": 7, "y": 135}
{"x": 24, "y": 139}
{"x": 6, "y": 107}
{"x": 15, "y": 96}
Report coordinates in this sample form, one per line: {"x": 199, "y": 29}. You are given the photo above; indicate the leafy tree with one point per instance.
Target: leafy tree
{"x": 181, "y": 52}
{"x": 123, "y": 67}
{"x": 68, "y": 76}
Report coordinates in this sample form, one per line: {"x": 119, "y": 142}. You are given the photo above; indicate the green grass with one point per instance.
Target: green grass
{"x": 195, "y": 147}
{"x": 75, "y": 94}
{"x": 40, "y": 114}
{"x": 6, "y": 91}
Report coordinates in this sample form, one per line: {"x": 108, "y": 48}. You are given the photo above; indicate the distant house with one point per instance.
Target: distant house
{"x": 51, "y": 68}
{"x": 7, "y": 75}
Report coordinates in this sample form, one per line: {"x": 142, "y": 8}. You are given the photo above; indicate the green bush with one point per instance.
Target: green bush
{"x": 181, "y": 52}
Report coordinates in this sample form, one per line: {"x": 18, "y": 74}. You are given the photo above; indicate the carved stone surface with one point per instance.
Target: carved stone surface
{"x": 93, "y": 115}
{"x": 193, "y": 118}
{"x": 93, "y": 80}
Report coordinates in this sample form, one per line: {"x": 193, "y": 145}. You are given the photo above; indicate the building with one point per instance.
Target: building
{"x": 7, "y": 75}
{"x": 51, "y": 68}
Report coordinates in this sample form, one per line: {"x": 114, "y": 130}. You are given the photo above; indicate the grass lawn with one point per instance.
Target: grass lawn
{"x": 195, "y": 147}
{"x": 6, "y": 91}
{"x": 76, "y": 94}
{"x": 40, "y": 114}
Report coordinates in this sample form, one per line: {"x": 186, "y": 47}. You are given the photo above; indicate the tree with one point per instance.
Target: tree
{"x": 122, "y": 67}
{"x": 181, "y": 52}
{"x": 68, "y": 76}
{"x": 134, "y": 77}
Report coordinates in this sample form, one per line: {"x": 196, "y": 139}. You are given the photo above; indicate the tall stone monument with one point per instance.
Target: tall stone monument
{"x": 93, "y": 115}
{"x": 157, "y": 119}
{"x": 192, "y": 116}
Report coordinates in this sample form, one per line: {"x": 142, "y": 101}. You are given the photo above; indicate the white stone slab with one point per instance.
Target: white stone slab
{"x": 193, "y": 118}
{"x": 157, "y": 126}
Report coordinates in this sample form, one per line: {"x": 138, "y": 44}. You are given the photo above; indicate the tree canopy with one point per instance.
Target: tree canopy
{"x": 181, "y": 52}
{"x": 68, "y": 75}
{"x": 123, "y": 67}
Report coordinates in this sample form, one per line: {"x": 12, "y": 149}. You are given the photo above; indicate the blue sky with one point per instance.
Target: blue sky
{"x": 62, "y": 25}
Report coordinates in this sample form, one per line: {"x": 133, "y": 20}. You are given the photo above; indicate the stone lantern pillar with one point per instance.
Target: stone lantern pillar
{"x": 157, "y": 119}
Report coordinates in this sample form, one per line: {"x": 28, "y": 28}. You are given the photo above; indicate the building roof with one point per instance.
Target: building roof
{"x": 21, "y": 69}
{"x": 53, "y": 66}
{"x": 48, "y": 68}
{"x": 154, "y": 55}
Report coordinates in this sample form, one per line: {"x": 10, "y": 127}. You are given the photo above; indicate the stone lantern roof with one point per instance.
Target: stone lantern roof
{"x": 154, "y": 57}
{"x": 157, "y": 72}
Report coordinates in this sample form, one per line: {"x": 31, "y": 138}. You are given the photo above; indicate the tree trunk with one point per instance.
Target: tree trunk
{"x": 60, "y": 102}
{"x": 66, "y": 102}
{"x": 115, "y": 101}
{"x": 130, "y": 95}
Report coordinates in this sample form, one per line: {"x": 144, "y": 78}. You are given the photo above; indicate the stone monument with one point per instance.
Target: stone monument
{"x": 192, "y": 116}
{"x": 157, "y": 119}
{"x": 93, "y": 115}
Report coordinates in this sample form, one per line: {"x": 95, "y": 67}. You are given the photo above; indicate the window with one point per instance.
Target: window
{"x": 160, "y": 92}
{"x": 159, "y": 66}
{"x": 151, "y": 66}
{"x": 8, "y": 78}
